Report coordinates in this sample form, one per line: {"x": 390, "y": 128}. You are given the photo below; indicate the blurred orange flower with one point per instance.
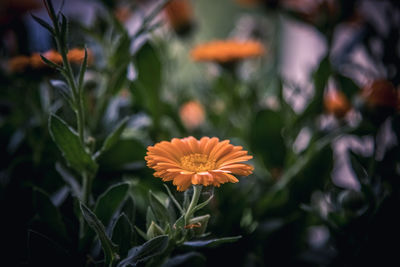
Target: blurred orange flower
{"x": 192, "y": 114}
{"x": 52, "y": 55}
{"x": 380, "y": 93}
{"x": 336, "y": 103}
{"x": 205, "y": 162}
{"x": 76, "y": 55}
{"x": 122, "y": 13}
{"x": 21, "y": 63}
{"x": 227, "y": 51}
{"x": 18, "y": 63}
{"x": 179, "y": 14}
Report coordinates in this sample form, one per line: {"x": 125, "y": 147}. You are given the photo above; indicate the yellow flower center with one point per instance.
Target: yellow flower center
{"x": 197, "y": 163}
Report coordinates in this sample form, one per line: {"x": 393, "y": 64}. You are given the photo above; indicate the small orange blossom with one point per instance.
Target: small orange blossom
{"x": 227, "y": 51}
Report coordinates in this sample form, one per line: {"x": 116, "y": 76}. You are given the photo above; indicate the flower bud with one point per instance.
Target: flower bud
{"x": 154, "y": 230}
{"x": 336, "y": 103}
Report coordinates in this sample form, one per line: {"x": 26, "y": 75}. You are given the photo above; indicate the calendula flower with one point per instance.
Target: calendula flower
{"x": 380, "y": 93}
{"x": 207, "y": 161}
{"x": 179, "y": 14}
{"x": 192, "y": 114}
{"x": 336, "y": 103}
{"x": 227, "y": 51}
{"x": 18, "y": 63}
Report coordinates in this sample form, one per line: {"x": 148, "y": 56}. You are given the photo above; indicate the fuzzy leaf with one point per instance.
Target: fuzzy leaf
{"x": 109, "y": 248}
{"x": 70, "y": 145}
{"x": 148, "y": 250}
{"x": 109, "y": 202}
{"x": 212, "y": 242}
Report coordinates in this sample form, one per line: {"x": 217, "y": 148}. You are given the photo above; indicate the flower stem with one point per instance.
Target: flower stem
{"x": 193, "y": 202}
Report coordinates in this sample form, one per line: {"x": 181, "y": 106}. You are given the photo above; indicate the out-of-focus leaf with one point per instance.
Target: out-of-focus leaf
{"x": 110, "y": 201}
{"x": 43, "y": 23}
{"x": 123, "y": 234}
{"x": 148, "y": 82}
{"x": 148, "y": 250}
{"x": 125, "y": 151}
{"x": 129, "y": 208}
{"x": 150, "y": 217}
{"x": 70, "y": 145}
{"x": 113, "y": 137}
{"x": 69, "y": 179}
{"x": 212, "y": 242}
{"x": 109, "y": 248}
{"x": 49, "y": 213}
{"x": 192, "y": 259}
{"x": 321, "y": 77}
{"x": 267, "y": 139}
{"x": 158, "y": 208}
{"x": 347, "y": 85}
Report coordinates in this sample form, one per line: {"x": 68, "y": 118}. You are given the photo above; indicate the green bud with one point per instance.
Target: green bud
{"x": 154, "y": 230}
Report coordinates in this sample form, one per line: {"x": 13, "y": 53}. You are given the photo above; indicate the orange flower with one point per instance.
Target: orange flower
{"x": 179, "y": 14}
{"x": 76, "y": 55}
{"x": 122, "y": 13}
{"x": 18, "y": 63}
{"x": 227, "y": 51}
{"x": 192, "y": 114}
{"x": 52, "y": 55}
{"x": 380, "y": 93}
{"x": 336, "y": 103}
{"x": 190, "y": 161}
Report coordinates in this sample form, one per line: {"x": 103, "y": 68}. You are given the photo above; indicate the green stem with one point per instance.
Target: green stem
{"x": 193, "y": 202}
{"x": 85, "y": 198}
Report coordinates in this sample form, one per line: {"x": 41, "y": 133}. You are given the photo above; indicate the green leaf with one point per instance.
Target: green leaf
{"x": 70, "y": 145}
{"x": 129, "y": 208}
{"x": 347, "y": 85}
{"x": 321, "y": 77}
{"x": 113, "y": 137}
{"x": 123, "y": 234}
{"x": 148, "y": 250}
{"x": 70, "y": 180}
{"x": 110, "y": 201}
{"x": 51, "y": 63}
{"x": 82, "y": 70}
{"x": 43, "y": 23}
{"x": 212, "y": 242}
{"x": 266, "y": 138}
{"x": 109, "y": 248}
{"x": 180, "y": 223}
{"x": 49, "y": 213}
{"x": 140, "y": 232}
{"x": 64, "y": 28}
{"x": 174, "y": 199}
{"x": 158, "y": 208}
{"x": 148, "y": 83}
{"x": 150, "y": 217}
{"x": 203, "y": 204}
